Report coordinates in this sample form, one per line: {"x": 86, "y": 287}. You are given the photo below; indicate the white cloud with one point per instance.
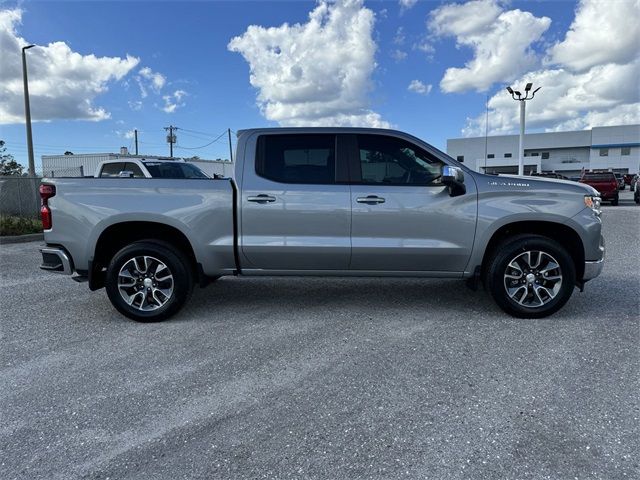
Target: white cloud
{"x": 399, "y": 55}
{"x": 604, "y": 95}
{"x": 63, "y": 84}
{"x": 604, "y": 31}
{"x": 174, "y": 101}
{"x": 147, "y": 78}
{"x": 315, "y": 73}
{"x": 135, "y": 105}
{"x": 575, "y": 96}
{"x": 418, "y": 87}
{"x": 155, "y": 82}
{"x": 407, "y": 4}
{"x": 128, "y": 134}
{"x": 399, "y": 38}
{"x": 500, "y": 40}
{"x": 425, "y": 46}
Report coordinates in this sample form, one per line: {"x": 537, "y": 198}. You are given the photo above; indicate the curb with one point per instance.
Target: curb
{"x": 32, "y": 237}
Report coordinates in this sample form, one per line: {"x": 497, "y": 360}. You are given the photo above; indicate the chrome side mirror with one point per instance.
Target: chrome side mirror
{"x": 453, "y": 177}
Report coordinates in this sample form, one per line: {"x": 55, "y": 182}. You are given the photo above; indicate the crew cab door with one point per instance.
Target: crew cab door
{"x": 403, "y": 218}
{"x": 294, "y": 213}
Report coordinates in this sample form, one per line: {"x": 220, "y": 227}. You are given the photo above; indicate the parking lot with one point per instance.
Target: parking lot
{"x": 322, "y": 378}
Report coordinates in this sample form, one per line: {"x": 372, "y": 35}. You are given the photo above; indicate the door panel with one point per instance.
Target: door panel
{"x": 403, "y": 218}
{"x": 288, "y": 222}
{"x": 415, "y": 229}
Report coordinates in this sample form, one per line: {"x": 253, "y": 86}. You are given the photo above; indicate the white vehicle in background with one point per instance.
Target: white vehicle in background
{"x": 136, "y": 168}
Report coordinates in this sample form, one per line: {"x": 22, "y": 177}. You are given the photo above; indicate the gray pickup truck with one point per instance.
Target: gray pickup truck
{"x": 325, "y": 201}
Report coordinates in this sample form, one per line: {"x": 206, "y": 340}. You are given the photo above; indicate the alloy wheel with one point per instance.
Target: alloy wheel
{"x": 145, "y": 283}
{"x": 533, "y": 278}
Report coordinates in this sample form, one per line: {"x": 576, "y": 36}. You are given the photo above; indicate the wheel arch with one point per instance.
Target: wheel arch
{"x": 563, "y": 234}
{"x": 118, "y": 235}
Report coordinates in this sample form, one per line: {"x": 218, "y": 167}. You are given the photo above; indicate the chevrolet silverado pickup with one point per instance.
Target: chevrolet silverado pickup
{"x": 605, "y": 183}
{"x": 325, "y": 201}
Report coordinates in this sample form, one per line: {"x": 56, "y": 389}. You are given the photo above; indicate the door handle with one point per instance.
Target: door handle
{"x": 370, "y": 200}
{"x": 262, "y": 198}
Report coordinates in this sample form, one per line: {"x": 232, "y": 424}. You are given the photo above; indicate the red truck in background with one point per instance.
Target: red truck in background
{"x": 628, "y": 177}
{"x": 605, "y": 182}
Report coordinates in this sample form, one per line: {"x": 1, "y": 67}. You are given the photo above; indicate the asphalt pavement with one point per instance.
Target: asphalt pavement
{"x": 322, "y": 378}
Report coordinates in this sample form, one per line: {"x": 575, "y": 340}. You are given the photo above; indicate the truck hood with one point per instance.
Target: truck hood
{"x": 544, "y": 182}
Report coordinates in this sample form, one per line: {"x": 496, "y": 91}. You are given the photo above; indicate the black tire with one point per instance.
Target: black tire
{"x": 516, "y": 246}
{"x": 181, "y": 283}
{"x": 615, "y": 201}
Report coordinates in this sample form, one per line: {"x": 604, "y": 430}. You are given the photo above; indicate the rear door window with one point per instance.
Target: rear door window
{"x": 135, "y": 169}
{"x": 173, "y": 170}
{"x": 112, "y": 169}
{"x": 307, "y": 159}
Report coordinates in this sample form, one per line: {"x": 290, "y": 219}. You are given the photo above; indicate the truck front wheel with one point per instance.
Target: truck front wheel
{"x": 149, "y": 281}
{"x": 530, "y": 276}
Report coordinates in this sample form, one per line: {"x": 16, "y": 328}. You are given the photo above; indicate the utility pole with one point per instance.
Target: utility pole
{"x": 135, "y": 136}
{"x": 171, "y": 138}
{"x": 27, "y": 111}
{"x": 230, "y": 147}
{"x": 522, "y": 100}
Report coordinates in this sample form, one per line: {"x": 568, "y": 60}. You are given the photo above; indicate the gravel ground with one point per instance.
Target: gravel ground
{"x": 322, "y": 378}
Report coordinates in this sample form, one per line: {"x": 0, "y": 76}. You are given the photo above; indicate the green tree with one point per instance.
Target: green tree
{"x": 8, "y": 166}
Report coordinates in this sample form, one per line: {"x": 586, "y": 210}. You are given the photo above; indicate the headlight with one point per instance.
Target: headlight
{"x": 593, "y": 202}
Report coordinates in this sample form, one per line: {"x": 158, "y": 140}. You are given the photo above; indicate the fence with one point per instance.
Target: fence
{"x": 66, "y": 172}
{"x": 19, "y": 196}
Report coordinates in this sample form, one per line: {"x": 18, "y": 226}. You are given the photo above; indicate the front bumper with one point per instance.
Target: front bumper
{"x": 593, "y": 268}
{"x": 56, "y": 259}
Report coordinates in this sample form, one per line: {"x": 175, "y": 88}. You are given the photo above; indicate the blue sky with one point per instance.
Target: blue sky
{"x": 184, "y": 46}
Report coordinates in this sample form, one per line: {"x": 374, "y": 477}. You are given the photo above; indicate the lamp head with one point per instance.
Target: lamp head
{"x": 28, "y": 47}
{"x": 510, "y": 90}
{"x": 518, "y": 93}
{"x": 528, "y": 87}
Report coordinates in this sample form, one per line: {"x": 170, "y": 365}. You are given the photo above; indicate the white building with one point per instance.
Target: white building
{"x": 610, "y": 148}
{"x": 85, "y": 164}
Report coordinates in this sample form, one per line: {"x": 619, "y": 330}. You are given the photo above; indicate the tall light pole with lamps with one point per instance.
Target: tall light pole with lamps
{"x": 522, "y": 99}
{"x": 27, "y": 110}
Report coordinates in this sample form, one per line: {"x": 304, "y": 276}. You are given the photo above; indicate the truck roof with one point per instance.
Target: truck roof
{"x": 321, "y": 130}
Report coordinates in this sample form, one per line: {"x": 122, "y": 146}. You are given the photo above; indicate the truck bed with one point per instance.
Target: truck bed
{"x": 202, "y": 210}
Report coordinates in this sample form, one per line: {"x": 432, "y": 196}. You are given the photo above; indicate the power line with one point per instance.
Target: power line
{"x": 206, "y": 145}
{"x": 201, "y": 133}
{"x": 198, "y": 136}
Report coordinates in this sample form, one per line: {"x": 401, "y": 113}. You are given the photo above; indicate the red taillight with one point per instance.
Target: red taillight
{"x": 45, "y": 215}
{"x": 46, "y": 192}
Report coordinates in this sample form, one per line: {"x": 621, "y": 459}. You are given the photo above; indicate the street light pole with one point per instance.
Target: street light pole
{"x": 522, "y": 100}
{"x": 27, "y": 110}
{"x": 521, "y": 142}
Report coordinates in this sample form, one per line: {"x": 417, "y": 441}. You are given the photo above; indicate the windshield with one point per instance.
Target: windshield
{"x": 174, "y": 170}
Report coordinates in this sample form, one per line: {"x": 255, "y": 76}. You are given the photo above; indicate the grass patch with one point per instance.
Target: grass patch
{"x": 19, "y": 225}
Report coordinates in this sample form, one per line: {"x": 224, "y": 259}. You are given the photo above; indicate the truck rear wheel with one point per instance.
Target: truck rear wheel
{"x": 530, "y": 276}
{"x": 149, "y": 281}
